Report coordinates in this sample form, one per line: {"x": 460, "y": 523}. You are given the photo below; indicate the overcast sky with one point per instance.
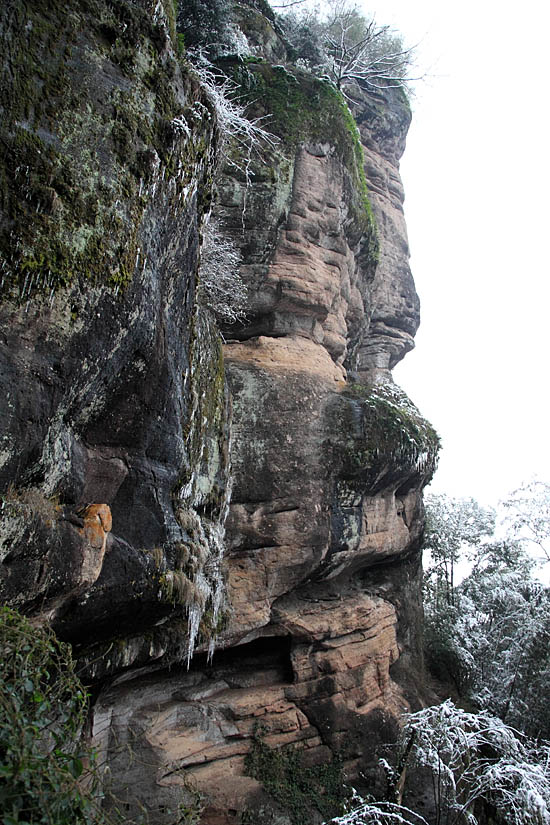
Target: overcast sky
{"x": 477, "y": 177}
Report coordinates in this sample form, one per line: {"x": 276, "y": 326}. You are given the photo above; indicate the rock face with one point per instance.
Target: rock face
{"x": 125, "y": 427}
{"x": 112, "y": 379}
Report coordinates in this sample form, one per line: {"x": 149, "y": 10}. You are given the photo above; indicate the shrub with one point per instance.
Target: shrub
{"x": 47, "y": 774}
{"x": 294, "y": 786}
{"x": 203, "y": 22}
{"x": 42, "y": 712}
{"x": 221, "y": 287}
{"x": 479, "y": 764}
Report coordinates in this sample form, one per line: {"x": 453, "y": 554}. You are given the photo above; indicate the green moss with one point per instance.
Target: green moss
{"x": 380, "y": 433}
{"x": 78, "y": 164}
{"x": 300, "y": 107}
{"x": 298, "y": 789}
{"x": 210, "y": 628}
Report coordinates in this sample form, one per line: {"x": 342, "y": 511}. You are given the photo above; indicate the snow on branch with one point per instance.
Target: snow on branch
{"x": 234, "y": 126}
{"x": 221, "y": 286}
{"x": 475, "y": 756}
{"x": 351, "y": 48}
{"x": 380, "y": 813}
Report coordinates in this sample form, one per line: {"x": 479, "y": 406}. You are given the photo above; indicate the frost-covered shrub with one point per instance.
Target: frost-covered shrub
{"x": 475, "y": 759}
{"x": 448, "y": 657}
{"x": 380, "y": 813}
{"x": 478, "y": 766}
{"x": 348, "y": 47}
{"x": 489, "y": 636}
{"x": 221, "y": 287}
{"x": 235, "y": 128}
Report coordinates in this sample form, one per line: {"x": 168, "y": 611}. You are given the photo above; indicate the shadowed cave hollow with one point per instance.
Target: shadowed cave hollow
{"x": 262, "y": 661}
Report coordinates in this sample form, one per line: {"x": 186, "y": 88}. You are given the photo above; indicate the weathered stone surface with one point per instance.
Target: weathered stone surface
{"x": 115, "y": 452}
{"x": 46, "y": 558}
{"x": 328, "y": 473}
{"x": 196, "y": 727}
{"x": 311, "y": 285}
{"x": 112, "y": 376}
{"x": 383, "y": 118}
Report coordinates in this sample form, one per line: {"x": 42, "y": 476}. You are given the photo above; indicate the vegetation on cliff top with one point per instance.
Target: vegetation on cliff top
{"x": 301, "y": 108}
{"x": 351, "y": 49}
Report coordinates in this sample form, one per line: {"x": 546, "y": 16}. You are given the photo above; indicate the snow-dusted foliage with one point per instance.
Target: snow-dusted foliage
{"x": 209, "y": 24}
{"x": 452, "y": 524}
{"x": 478, "y": 767}
{"x": 528, "y": 515}
{"x": 348, "y": 47}
{"x": 504, "y": 621}
{"x": 221, "y": 287}
{"x": 236, "y": 130}
{"x": 489, "y": 635}
{"x": 380, "y": 813}
{"x": 474, "y": 757}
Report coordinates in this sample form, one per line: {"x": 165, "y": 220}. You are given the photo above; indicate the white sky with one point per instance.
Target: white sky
{"x": 477, "y": 177}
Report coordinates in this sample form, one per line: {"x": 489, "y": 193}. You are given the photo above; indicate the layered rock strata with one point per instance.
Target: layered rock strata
{"x": 117, "y": 461}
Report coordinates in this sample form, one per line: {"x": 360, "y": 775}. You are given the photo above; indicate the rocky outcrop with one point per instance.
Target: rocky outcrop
{"x": 128, "y": 421}
{"x": 112, "y": 377}
{"x": 383, "y": 119}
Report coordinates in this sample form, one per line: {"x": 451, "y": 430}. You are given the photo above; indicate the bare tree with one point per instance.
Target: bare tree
{"x": 353, "y": 48}
{"x": 361, "y": 50}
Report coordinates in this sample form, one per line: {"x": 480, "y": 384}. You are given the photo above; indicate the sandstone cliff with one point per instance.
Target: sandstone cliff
{"x": 131, "y": 441}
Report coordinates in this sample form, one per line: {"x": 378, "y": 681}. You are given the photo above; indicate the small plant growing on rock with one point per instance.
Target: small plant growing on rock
{"x": 221, "y": 287}
{"x": 42, "y": 713}
{"x": 31, "y": 502}
{"x": 233, "y": 124}
{"x": 48, "y": 774}
{"x": 295, "y": 786}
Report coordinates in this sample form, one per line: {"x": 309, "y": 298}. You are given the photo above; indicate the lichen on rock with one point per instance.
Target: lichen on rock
{"x": 91, "y": 97}
{"x": 113, "y": 375}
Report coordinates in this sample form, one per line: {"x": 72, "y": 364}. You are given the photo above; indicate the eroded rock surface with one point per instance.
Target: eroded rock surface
{"x": 117, "y": 461}
{"x": 383, "y": 120}
{"x": 112, "y": 378}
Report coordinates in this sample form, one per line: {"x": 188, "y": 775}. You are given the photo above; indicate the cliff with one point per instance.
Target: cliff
{"x": 169, "y": 493}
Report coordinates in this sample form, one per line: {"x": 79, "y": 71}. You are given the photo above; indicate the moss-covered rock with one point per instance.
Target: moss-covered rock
{"x": 301, "y": 108}
{"x": 94, "y": 121}
{"x": 380, "y": 438}
{"x": 107, "y": 148}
